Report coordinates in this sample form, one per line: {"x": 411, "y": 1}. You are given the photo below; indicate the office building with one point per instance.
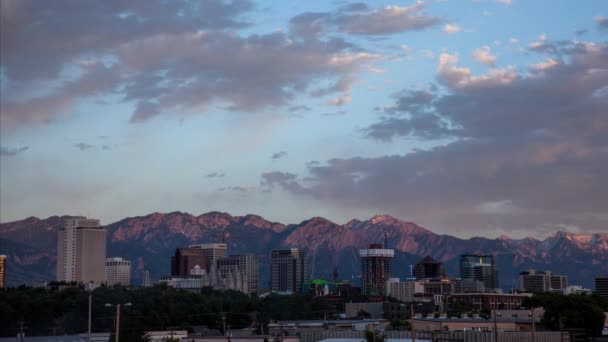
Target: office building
{"x": 118, "y": 272}
{"x": 541, "y": 281}
{"x": 441, "y": 286}
{"x": 211, "y": 253}
{"x": 145, "y": 281}
{"x": 239, "y": 272}
{"x": 288, "y": 270}
{"x": 81, "y": 251}
{"x": 376, "y": 269}
{"x": 601, "y": 286}
{"x": 185, "y": 259}
{"x": 429, "y": 268}
{"x": 2, "y": 271}
{"x": 468, "y": 285}
{"x": 479, "y": 267}
{"x": 404, "y": 291}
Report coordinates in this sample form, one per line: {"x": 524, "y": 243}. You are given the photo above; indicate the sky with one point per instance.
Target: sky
{"x": 467, "y": 117}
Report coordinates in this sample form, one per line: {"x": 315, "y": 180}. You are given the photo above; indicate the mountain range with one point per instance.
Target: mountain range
{"x": 149, "y": 241}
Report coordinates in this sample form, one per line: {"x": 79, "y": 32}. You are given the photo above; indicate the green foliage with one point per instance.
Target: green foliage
{"x": 400, "y": 325}
{"x": 60, "y": 310}
{"x": 374, "y": 336}
{"x": 576, "y": 311}
{"x": 363, "y": 314}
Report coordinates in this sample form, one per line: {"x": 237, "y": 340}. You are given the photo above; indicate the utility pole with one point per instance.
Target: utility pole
{"x": 533, "y": 325}
{"x": 496, "y": 314}
{"x": 117, "y": 321}
{"x": 412, "y": 321}
{"x": 89, "y": 330}
{"x": 224, "y": 322}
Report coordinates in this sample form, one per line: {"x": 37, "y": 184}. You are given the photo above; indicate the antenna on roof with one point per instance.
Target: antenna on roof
{"x": 411, "y": 271}
{"x": 385, "y": 240}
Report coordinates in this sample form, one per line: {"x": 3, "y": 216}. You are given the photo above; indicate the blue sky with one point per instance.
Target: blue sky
{"x": 466, "y": 117}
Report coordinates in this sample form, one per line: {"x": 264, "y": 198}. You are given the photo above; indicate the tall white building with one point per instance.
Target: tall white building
{"x": 81, "y": 251}
{"x": 146, "y": 279}
{"x": 118, "y": 271}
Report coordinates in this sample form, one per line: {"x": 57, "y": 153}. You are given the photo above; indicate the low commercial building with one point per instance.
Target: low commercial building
{"x": 489, "y": 301}
{"x": 291, "y": 328}
{"x": 479, "y": 324}
{"x": 541, "y": 281}
{"x": 374, "y": 309}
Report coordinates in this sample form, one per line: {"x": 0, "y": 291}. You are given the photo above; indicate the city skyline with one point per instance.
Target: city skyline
{"x": 466, "y": 117}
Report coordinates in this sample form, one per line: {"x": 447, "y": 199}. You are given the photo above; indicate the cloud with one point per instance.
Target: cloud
{"x": 176, "y": 57}
{"x": 521, "y": 145}
{"x": 361, "y": 20}
{"x": 278, "y": 155}
{"x": 11, "y": 152}
{"x": 484, "y": 55}
{"x": 216, "y": 175}
{"x": 84, "y": 146}
{"x": 513, "y": 40}
{"x": 237, "y": 188}
{"x": 451, "y": 28}
{"x": 285, "y": 180}
{"x": 340, "y": 100}
{"x": 602, "y": 22}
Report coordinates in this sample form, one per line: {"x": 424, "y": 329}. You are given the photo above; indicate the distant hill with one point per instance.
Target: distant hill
{"x": 149, "y": 241}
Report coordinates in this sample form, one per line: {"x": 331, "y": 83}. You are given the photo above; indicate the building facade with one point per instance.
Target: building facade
{"x": 145, "y": 279}
{"x": 212, "y": 252}
{"x": 601, "y": 286}
{"x": 81, "y": 251}
{"x": 118, "y": 272}
{"x": 185, "y": 259}
{"x": 376, "y": 269}
{"x": 429, "y": 268}
{"x": 239, "y": 272}
{"x": 489, "y": 301}
{"x": 541, "y": 281}
{"x": 404, "y": 291}
{"x": 2, "y": 271}
{"x": 479, "y": 267}
{"x": 288, "y": 270}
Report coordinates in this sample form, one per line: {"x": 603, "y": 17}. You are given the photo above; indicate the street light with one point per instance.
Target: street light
{"x": 108, "y": 305}
{"x": 531, "y": 315}
{"x": 496, "y": 314}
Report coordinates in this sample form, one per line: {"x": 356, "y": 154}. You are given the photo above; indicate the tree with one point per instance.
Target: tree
{"x": 576, "y": 311}
{"x": 374, "y": 336}
{"x": 364, "y": 314}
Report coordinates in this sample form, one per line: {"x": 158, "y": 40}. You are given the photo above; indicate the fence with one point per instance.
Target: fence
{"x": 443, "y": 336}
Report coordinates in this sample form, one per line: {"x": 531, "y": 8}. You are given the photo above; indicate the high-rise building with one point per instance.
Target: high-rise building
{"x": 145, "y": 282}
{"x": 239, "y": 272}
{"x": 376, "y": 269}
{"x": 185, "y": 259}
{"x": 601, "y": 286}
{"x": 2, "y": 271}
{"x": 212, "y": 252}
{"x": 541, "y": 281}
{"x": 288, "y": 270}
{"x": 479, "y": 267}
{"x": 429, "y": 268}
{"x": 81, "y": 251}
{"x": 118, "y": 271}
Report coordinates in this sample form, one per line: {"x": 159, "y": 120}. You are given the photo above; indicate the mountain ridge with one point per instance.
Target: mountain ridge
{"x": 149, "y": 240}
